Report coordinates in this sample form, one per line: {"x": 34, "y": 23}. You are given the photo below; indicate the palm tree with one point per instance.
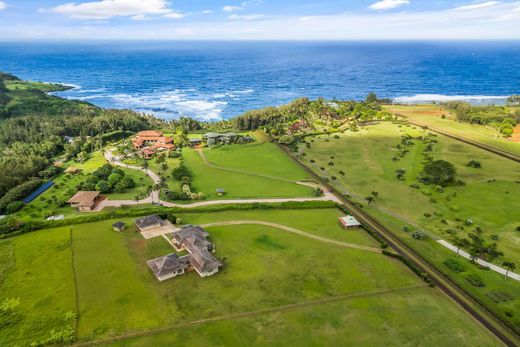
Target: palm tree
{"x": 137, "y": 198}
{"x": 369, "y": 199}
{"x": 458, "y": 242}
{"x": 473, "y": 256}
{"x": 510, "y": 266}
{"x": 145, "y": 165}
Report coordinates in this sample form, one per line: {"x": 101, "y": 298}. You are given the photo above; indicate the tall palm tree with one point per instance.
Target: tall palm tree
{"x": 458, "y": 242}
{"x": 510, "y": 266}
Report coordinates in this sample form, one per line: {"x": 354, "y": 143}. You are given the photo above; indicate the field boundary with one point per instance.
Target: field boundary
{"x": 74, "y": 278}
{"x": 247, "y": 314}
{"x": 464, "y": 299}
{"x": 494, "y": 150}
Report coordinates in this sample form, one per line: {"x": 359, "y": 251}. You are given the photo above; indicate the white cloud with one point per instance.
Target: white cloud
{"x": 246, "y": 17}
{"x": 106, "y": 9}
{"x": 387, "y": 4}
{"x": 477, "y": 6}
{"x": 207, "y": 12}
{"x": 229, "y": 8}
{"x": 3, "y": 5}
{"x": 175, "y": 15}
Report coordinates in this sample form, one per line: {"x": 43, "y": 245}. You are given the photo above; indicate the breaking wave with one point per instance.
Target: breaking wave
{"x": 428, "y": 98}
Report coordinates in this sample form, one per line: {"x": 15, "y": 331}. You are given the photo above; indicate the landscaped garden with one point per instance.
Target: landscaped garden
{"x": 381, "y": 167}
{"x": 265, "y": 268}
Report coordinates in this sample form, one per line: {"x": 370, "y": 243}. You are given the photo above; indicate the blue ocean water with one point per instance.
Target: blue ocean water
{"x": 218, "y": 80}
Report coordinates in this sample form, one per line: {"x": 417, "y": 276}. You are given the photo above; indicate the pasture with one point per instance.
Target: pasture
{"x": 270, "y": 276}
{"x": 431, "y": 115}
{"x": 486, "y": 198}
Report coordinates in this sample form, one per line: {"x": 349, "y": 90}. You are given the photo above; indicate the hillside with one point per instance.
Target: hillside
{"x": 21, "y": 98}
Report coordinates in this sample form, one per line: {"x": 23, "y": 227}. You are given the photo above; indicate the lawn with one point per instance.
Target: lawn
{"x": 48, "y": 202}
{"x": 265, "y": 268}
{"x": 244, "y": 185}
{"x": 430, "y": 115}
{"x": 264, "y": 159}
{"x": 36, "y": 269}
{"x": 487, "y": 196}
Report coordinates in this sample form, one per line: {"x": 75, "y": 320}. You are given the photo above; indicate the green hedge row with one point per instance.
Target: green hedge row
{"x": 17, "y": 227}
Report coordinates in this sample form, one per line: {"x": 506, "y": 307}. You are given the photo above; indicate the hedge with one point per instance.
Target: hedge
{"x": 22, "y": 228}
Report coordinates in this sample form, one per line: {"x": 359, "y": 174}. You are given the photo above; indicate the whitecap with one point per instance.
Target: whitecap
{"x": 428, "y": 98}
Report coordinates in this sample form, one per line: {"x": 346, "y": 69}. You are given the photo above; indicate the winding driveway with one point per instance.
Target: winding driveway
{"x": 154, "y": 196}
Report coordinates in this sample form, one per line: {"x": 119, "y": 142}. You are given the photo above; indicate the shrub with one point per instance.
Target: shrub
{"x": 475, "y": 280}
{"x": 19, "y": 192}
{"x": 474, "y": 164}
{"x": 14, "y": 206}
{"x": 454, "y": 265}
{"x": 171, "y": 217}
{"x": 418, "y": 235}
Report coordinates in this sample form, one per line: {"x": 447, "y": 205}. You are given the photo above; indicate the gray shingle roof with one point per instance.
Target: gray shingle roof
{"x": 148, "y": 221}
{"x": 167, "y": 265}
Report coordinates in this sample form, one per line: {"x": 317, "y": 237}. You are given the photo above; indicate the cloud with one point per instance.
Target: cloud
{"x": 207, "y": 12}
{"x": 175, "y": 15}
{"x": 387, "y": 4}
{"x": 229, "y": 8}
{"x": 477, "y": 6}
{"x": 3, "y": 5}
{"x": 106, "y": 9}
{"x": 246, "y": 17}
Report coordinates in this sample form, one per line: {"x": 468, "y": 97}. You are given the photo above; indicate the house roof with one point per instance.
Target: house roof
{"x": 168, "y": 264}
{"x": 150, "y": 133}
{"x": 84, "y": 198}
{"x": 204, "y": 261}
{"x": 220, "y": 190}
{"x": 212, "y": 135}
{"x": 118, "y": 224}
{"x": 148, "y": 221}
{"x": 191, "y": 237}
{"x": 349, "y": 221}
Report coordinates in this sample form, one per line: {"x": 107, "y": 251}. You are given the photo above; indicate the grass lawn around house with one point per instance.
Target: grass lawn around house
{"x": 431, "y": 115}
{"x": 264, "y": 268}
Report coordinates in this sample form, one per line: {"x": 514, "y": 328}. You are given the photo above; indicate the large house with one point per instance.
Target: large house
{"x": 85, "y": 200}
{"x": 200, "y": 258}
{"x": 149, "y": 142}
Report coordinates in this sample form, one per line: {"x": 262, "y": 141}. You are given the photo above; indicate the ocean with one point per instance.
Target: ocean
{"x": 219, "y": 80}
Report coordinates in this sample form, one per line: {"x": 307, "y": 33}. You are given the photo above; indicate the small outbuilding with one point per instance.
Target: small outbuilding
{"x": 85, "y": 200}
{"x": 349, "y": 222}
{"x": 149, "y": 222}
{"x": 220, "y": 191}
{"x": 119, "y": 226}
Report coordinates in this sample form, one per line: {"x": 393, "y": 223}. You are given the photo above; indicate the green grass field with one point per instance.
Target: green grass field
{"x": 430, "y": 115}
{"x": 36, "y": 269}
{"x": 265, "y": 268}
{"x": 247, "y": 181}
{"x": 487, "y": 196}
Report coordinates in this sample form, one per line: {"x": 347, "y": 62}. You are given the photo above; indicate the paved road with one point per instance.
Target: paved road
{"x": 480, "y": 261}
{"x": 154, "y": 196}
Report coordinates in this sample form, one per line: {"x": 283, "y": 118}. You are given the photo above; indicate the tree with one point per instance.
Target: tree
{"x": 286, "y": 140}
{"x": 103, "y": 186}
{"x": 371, "y": 98}
{"x": 510, "y": 266}
{"x": 459, "y": 243}
{"x": 440, "y": 172}
{"x": 369, "y": 199}
{"x": 375, "y": 194}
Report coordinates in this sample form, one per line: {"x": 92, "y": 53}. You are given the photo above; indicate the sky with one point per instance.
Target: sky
{"x": 258, "y": 20}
